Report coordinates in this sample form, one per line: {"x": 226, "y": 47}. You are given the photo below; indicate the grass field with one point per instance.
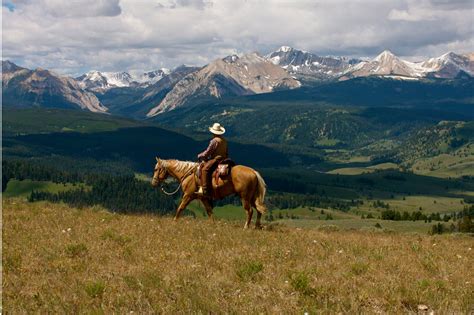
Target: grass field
{"x": 456, "y": 164}
{"x": 58, "y": 259}
{"x": 363, "y": 225}
{"x": 308, "y": 217}
{"x": 26, "y": 121}
{"x": 23, "y": 188}
{"x": 428, "y": 204}
{"x": 363, "y": 170}
{"x": 316, "y": 218}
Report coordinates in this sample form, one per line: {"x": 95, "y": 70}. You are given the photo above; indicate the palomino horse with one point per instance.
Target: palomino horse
{"x": 244, "y": 181}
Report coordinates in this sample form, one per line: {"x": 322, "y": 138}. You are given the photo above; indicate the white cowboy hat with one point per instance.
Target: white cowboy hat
{"x": 217, "y": 129}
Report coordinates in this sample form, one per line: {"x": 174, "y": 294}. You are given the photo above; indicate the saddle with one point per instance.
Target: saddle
{"x": 221, "y": 177}
{"x": 222, "y": 170}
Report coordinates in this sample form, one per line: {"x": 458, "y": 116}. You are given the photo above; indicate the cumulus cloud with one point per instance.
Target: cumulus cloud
{"x": 76, "y": 36}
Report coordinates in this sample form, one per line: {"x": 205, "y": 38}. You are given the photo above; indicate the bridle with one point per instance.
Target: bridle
{"x": 180, "y": 182}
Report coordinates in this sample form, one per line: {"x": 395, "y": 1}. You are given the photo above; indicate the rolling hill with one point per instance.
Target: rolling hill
{"x": 83, "y": 136}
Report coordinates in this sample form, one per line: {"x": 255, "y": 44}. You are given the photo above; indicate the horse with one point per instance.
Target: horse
{"x": 243, "y": 181}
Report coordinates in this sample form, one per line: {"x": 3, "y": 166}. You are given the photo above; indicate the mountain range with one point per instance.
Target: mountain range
{"x": 100, "y": 81}
{"x": 22, "y": 87}
{"x": 230, "y": 76}
{"x": 152, "y": 93}
{"x": 447, "y": 66}
{"x": 307, "y": 65}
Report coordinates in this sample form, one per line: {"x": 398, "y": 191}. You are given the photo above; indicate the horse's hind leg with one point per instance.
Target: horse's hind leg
{"x": 258, "y": 225}
{"x": 248, "y": 208}
{"x": 208, "y": 205}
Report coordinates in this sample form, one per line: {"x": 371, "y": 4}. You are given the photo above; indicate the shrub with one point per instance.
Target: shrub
{"x": 249, "y": 270}
{"x": 437, "y": 229}
{"x": 95, "y": 289}
{"x": 76, "y": 250}
{"x": 116, "y": 237}
{"x": 11, "y": 262}
{"x": 359, "y": 268}
{"x": 300, "y": 282}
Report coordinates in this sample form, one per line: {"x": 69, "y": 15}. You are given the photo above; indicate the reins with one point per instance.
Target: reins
{"x": 180, "y": 183}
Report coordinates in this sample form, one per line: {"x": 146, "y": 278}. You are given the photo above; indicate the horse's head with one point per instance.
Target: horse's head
{"x": 160, "y": 173}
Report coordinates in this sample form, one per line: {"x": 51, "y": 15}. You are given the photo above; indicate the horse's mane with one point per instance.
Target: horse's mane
{"x": 180, "y": 166}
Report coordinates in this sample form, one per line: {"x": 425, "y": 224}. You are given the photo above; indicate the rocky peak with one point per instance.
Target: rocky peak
{"x": 8, "y": 66}
{"x": 385, "y": 57}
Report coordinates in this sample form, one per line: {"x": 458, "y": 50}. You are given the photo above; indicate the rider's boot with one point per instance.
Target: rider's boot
{"x": 201, "y": 191}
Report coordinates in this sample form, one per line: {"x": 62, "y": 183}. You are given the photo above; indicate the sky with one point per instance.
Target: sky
{"x": 75, "y": 36}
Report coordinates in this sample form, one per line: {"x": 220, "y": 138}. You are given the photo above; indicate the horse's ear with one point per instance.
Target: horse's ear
{"x": 157, "y": 159}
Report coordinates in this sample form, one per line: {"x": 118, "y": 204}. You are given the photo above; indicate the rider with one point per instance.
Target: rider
{"x": 215, "y": 152}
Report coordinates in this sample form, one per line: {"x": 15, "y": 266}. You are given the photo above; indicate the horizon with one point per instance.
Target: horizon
{"x": 135, "y": 72}
{"x": 112, "y": 35}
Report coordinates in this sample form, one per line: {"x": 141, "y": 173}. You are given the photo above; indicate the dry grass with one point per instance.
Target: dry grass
{"x": 62, "y": 260}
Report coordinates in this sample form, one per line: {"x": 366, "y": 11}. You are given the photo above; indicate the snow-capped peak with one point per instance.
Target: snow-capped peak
{"x": 385, "y": 56}
{"x": 231, "y": 58}
{"x": 253, "y": 57}
{"x": 448, "y": 65}
{"x": 285, "y": 49}
{"x": 99, "y": 81}
{"x": 150, "y": 77}
{"x": 300, "y": 62}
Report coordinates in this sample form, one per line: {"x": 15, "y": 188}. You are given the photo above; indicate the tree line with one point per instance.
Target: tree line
{"x": 123, "y": 194}
{"x": 465, "y": 223}
{"x": 119, "y": 193}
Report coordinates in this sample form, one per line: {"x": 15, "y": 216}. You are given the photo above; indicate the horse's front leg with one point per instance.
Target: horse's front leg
{"x": 182, "y": 205}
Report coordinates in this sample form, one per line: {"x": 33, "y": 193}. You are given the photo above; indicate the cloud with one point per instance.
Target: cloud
{"x": 453, "y": 4}
{"x": 84, "y": 8}
{"x": 70, "y": 9}
{"x": 173, "y": 4}
{"x": 77, "y": 36}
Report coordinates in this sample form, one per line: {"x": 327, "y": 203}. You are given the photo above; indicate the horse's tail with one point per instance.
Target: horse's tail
{"x": 260, "y": 195}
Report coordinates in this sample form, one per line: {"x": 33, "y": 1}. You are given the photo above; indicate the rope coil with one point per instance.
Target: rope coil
{"x": 180, "y": 183}
{"x": 172, "y": 193}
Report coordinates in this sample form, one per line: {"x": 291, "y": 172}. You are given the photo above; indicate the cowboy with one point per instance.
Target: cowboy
{"x": 215, "y": 152}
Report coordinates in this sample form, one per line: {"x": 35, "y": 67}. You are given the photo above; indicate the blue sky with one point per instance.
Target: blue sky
{"x": 72, "y": 37}
{"x": 9, "y": 5}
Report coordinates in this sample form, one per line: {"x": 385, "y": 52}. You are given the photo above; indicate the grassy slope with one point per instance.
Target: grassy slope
{"x": 23, "y": 188}
{"x": 40, "y": 120}
{"x": 366, "y": 225}
{"x": 363, "y": 170}
{"x": 62, "y": 260}
{"x": 311, "y": 217}
{"x": 455, "y": 164}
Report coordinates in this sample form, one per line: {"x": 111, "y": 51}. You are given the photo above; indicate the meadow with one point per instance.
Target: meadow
{"x": 59, "y": 259}
{"x": 23, "y": 188}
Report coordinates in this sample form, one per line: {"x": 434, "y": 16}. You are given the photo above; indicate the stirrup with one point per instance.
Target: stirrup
{"x": 200, "y": 191}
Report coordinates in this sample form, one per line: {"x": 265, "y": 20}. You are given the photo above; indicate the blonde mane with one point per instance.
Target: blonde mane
{"x": 180, "y": 166}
